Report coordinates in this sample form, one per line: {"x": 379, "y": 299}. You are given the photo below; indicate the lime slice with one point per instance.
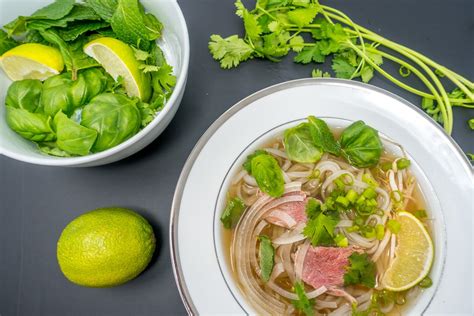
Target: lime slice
{"x": 413, "y": 255}
{"x": 32, "y": 61}
{"x": 118, "y": 59}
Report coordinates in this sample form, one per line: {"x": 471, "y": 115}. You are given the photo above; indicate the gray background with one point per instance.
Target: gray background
{"x": 36, "y": 202}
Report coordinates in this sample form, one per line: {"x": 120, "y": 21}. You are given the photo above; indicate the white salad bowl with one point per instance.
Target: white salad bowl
{"x": 443, "y": 172}
{"x": 175, "y": 45}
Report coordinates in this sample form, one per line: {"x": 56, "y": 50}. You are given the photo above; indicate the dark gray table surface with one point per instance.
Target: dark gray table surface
{"x": 37, "y": 202}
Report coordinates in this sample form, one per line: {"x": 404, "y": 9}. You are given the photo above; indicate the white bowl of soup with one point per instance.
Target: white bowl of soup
{"x": 222, "y": 263}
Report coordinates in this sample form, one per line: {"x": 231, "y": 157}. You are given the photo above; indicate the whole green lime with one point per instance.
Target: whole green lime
{"x": 105, "y": 247}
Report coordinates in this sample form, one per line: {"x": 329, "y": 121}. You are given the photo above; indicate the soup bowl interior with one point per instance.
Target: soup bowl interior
{"x": 437, "y": 226}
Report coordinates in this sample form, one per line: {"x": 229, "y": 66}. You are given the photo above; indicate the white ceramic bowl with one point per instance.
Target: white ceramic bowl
{"x": 446, "y": 178}
{"x": 175, "y": 45}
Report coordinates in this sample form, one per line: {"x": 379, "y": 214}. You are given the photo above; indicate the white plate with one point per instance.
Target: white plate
{"x": 443, "y": 171}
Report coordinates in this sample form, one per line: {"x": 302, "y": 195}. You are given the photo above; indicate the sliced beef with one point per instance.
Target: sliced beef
{"x": 290, "y": 214}
{"x": 326, "y": 266}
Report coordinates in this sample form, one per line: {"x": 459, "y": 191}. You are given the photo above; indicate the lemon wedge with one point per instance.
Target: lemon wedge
{"x": 413, "y": 255}
{"x": 118, "y": 59}
{"x": 32, "y": 61}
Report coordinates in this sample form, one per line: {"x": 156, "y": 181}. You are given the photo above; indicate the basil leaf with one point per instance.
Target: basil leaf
{"x": 24, "y": 94}
{"x": 232, "y": 212}
{"x": 248, "y": 163}
{"x": 51, "y": 148}
{"x": 361, "y": 145}
{"x": 115, "y": 117}
{"x": 322, "y": 136}
{"x": 32, "y": 126}
{"x": 267, "y": 254}
{"x": 268, "y": 174}
{"x": 300, "y": 146}
{"x": 72, "y": 137}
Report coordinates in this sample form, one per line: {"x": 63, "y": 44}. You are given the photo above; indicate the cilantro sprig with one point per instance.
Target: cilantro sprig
{"x": 274, "y": 28}
{"x": 361, "y": 270}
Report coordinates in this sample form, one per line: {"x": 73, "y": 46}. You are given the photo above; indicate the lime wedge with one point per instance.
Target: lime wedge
{"x": 32, "y": 61}
{"x": 413, "y": 255}
{"x": 118, "y": 59}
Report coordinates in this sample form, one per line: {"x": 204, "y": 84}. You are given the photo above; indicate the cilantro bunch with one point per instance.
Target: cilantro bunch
{"x": 274, "y": 28}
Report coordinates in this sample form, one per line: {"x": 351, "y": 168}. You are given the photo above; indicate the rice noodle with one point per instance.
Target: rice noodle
{"x": 286, "y": 177}
{"x": 276, "y": 152}
{"x": 250, "y": 180}
{"x": 382, "y": 246}
{"x": 239, "y": 176}
{"x": 344, "y": 223}
{"x": 341, "y": 310}
{"x": 286, "y": 165}
{"x": 285, "y": 255}
{"x": 320, "y": 304}
{"x": 317, "y": 292}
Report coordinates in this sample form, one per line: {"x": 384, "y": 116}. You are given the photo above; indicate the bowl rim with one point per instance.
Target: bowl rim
{"x": 83, "y": 160}
{"x": 173, "y": 231}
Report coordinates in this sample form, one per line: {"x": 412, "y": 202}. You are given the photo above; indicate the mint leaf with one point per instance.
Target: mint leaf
{"x": 267, "y": 254}
{"x": 322, "y": 136}
{"x": 78, "y": 13}
{"x": 133, "y": 26}
{"x": 72, "y": 32}
{"x": 361, "y": 270}
{"x": 6, "y": 43}
{"x": 232, "y": 212}
{"x": 55, "y": 10}
{"x": 104, "y": 8}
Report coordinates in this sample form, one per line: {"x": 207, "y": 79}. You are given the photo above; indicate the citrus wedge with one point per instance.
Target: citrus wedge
{"x": 32, "y": 61}
{"x": 413, "y": 255}
{"x": 118, "y": 59}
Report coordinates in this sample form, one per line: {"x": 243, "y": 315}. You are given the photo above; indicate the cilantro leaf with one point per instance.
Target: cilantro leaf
{"x": 296, "y": 43}
{"x": 303, "y": 17}
{"x": 342, "y": 67}
{"x": 303, "y": 304}
{"x": 229, "y": 51}
{"x": 309, "y": 54}
{"x": 267, "y": 254}
{"x": 252, "y": 27}
{"x": 319, "y": 228}
{"x": 361, "y": 270}
{"x": 275, "y": 44}
{"x": 313, "y": 208}
{"x": 318, "y": 73}
{"x": 248, "y": 163}
{"x": 232, "y": 212}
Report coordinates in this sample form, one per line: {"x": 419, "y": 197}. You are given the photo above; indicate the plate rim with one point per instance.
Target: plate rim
{"x": 173, "y": 231}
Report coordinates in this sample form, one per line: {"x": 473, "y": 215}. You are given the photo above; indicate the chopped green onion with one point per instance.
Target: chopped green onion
{"x": 360, "y": 200}
{"x": 471, "y": 123}
{"x": 379, "y": 231}
{"x": 394, "y": 226}
{"x": 369, "y": 193}
{"x": 340, "y": 184}
{"x": 367, "y": 178}
{"x": 369, "y": 232}
{"x": 386, "y": 166}
{"x": 341, "y": 240}
{"x": 342, "y": 201}
{"x": 403, "y": 163}
{"x": 359, "y": 221}
{"x": 371, "y": 202}
{"x": 351, "y": 195}
{"x": 420, "y": 214}
{"x": 315, "y": 174}
{"x": 426, "y": 283}
{"x": 353, "y": 229}
{"x": 396, "y": 196}
{"x": 344, "y": 178}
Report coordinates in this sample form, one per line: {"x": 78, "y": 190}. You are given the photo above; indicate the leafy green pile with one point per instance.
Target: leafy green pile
{"x": 274, "y": 28}
{"x": 83, "y": 110}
